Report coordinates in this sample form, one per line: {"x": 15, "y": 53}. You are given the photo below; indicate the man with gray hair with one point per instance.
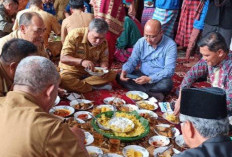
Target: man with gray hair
{"x": 8, "y": 10}
{"x": 27, "y": 127}
{"x": 205, "y": 125}
{"x": 31, "y": 28}
{"x": 85, "y": 48}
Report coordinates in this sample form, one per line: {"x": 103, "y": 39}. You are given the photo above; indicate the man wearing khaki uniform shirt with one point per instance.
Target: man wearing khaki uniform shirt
{"x": 85, "y": 48}
{"x": 31, "y": 29}
{"x": 7, "y": 9}
{"x": 78, "y": 18}
{"x": 49, "y": 20}
{"x": 13, "y": 51}
{"x": 59, "y": 6}
{"x": 27, "y": 128}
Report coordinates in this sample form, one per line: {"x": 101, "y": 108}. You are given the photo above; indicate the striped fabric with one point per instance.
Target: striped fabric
{"x": 147, "y": 15}
{"x": 185, "y": 26}
{"x": 167, "y": 19}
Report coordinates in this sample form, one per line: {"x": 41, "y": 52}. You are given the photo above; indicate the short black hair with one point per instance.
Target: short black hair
{"x": 214, "y": 41}
{"x": 76, "y": 4}
{"x": 16, "y": 49}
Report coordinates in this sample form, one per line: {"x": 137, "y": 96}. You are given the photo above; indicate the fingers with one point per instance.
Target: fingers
{"x": 177, "y": 108}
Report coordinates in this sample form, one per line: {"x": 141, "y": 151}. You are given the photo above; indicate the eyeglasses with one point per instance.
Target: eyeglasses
{"x": 151, "y": 36}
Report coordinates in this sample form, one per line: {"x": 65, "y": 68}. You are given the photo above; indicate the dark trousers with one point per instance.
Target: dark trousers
{"x": 163, "y": 86}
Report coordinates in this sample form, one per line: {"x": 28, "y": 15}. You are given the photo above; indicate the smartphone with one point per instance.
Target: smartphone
{"x": 131, "y": 76}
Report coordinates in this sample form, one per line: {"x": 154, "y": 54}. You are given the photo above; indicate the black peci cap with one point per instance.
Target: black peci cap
{"x": 207, "y": 103}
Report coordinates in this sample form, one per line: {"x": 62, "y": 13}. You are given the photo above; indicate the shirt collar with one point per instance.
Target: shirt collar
{"x": 85, "y": 37}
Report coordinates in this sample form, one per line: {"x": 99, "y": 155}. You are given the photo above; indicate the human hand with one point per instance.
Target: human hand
{"x": 177, "y": 107}
{"x": 142, "y": 80}
{"x": 88, "y": 64}
{"x": 123, "y": 76}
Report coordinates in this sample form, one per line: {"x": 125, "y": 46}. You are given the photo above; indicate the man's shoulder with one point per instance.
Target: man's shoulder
{"x": 77, "y": 32}
{"x": 8, "y": 37}
{"x": 168, "y": 41}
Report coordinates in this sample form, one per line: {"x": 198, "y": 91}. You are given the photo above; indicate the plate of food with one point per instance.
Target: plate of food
{"x": 121, "y": 124}
{"x": 129, "y": 108}
{"x": 179, "y": 140}
{"x": 135, "y": 150}
{"x": 158, "y": 141}
{"x": 140, "y": 129}
{"x": 82, "y": 116}
{"x": 114, "y": 101}
{"x": 88, "y": 138}
{"x": 105, "y": 108}
{"x": 112, "y": 155}
{"x": 136, "y": 95}
{"x": 147, "y": 105}
{"x": 170, "y": 117}
{"x": 98, "y": 71}
{"x": 166, "y": 130}
{"x": 94, "y": 151}
{"x": 62, "y": 111}
{"x": 147, "y": 114}
{"x": 165, "y": 151}
{"x": 81, "y": 104}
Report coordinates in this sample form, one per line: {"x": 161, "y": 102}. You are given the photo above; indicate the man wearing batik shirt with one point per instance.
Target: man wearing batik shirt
{"x": 216, "y": 63}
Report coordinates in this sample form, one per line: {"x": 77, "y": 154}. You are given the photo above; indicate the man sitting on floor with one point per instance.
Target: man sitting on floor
{"x": 157, "y": 55}
{"x": 27, "y": 127}
{"x": 216, "y": 62}
{"x": 13, "y": 52}
{"x": 205, "y": 125}
{"x": 85, "y": 48}
{"x": 31, "y": 28}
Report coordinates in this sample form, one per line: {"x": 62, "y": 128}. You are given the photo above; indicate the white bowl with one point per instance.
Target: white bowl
{"x": 108, "y": 99}
{"x": 113, "y": 155}
{"x": 161, "y": 149}
{"x": 131, "y": 107}
{"x": 88, "y": 116}
{"x": 139, "y": 93}
{"x": 110, "y": 107}
{"x": 55, "y": 108}
{"x": 105, "y": 71}
{"x": 73, "y": 103}
{"x": 160, "y": 140}
{"x": 174, "y": 130}
{"x": 88, "y": 138}
{"x": 136, "y": 148}
{"x": 155, "y": 106}
{"x": 93, "y": 149}
{"x": 151, "y": 113}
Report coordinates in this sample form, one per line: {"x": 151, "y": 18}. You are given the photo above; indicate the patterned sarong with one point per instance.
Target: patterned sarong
{"x": 187, "y": 16}
{"x": 167, "y": 19}
{"x": 147, "y": 15}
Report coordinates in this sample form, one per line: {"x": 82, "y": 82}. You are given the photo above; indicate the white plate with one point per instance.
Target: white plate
{"x": 159, "y": 139}
{"x": 151, "y": 113}
{"x": 155, "y": 106}
{"x": 131, "y": 107}
{"x": 73, "y": 96}
{"x": 105, "y": 71}
{"x": 110, "y": 107}
{"x": 174, "y": 130}
{"x": 70, "y": 109}
{"x": 82, "y": 112}
{"x": 57, "y": 100}
{"x": 88, "y": 138}
{"x": 93, "y": 149}
{"x": 136, "y": 148}
{"x": 165, "y": 117}
{"x": 121, "y": 123}
{"x": 179, "y": 140}
{"x": 139, "y": 93}
{"x": 112, "y": 155}
{"x": 108, "y": 99}
{"x": 78, "y": 101}
{"x": 161, "y": 149}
